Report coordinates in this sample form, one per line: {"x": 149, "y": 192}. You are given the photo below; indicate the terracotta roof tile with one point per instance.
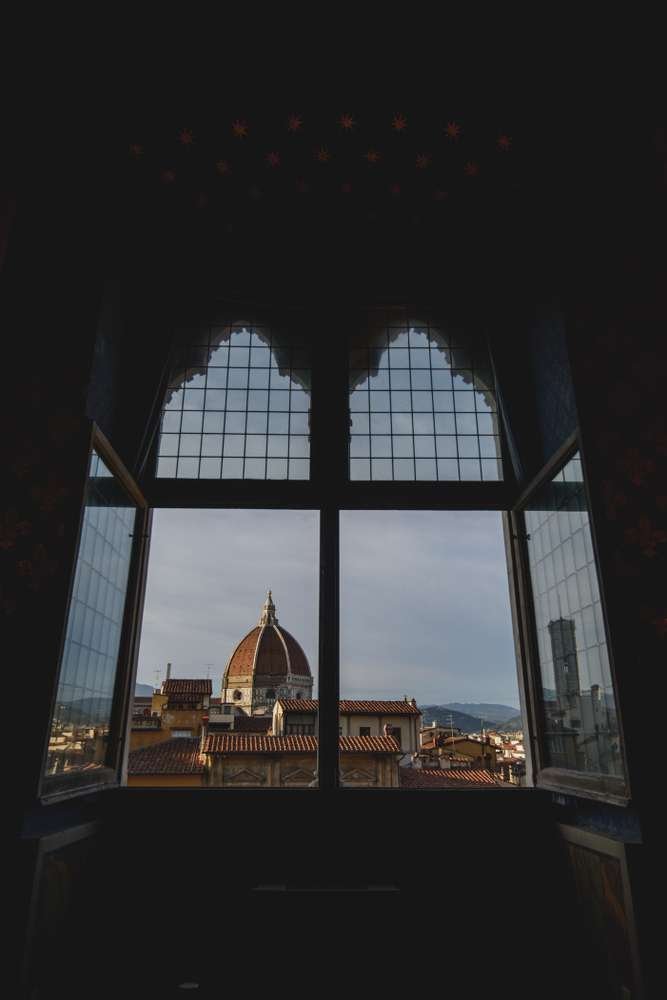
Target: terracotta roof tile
{"x": 271, "y": 659}
{"x": 187, "y": 685}
{"x": 352, "y": 707}
{"x": 177, "y": 756}
{"x": 232, "y": 743}
{"x": 445, "y": 778}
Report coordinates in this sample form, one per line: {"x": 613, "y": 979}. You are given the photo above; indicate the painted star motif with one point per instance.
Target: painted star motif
{"x": 273, "y": 159}
{"x": 453, "y": 130}
{"x": 240, "y": 128}
{"x": 168, "y": 176}
{"x": 136, "y": 150}
{"x": 322, "y": 154}
{"x": 294, "y": 123}
{"x": 346, "y": 122}
{"x": 372, "y": 156}
{"x": 423, "y": 161}
{"x": 399, "y": 123}
{"x": 471, "y": 168}
{"x": 186, "y": 137}
{"x": 223, "y": 167}
{"x": 504, "y": 142}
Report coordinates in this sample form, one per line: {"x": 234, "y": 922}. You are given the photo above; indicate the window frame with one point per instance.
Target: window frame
{"x": 111, "y": 775}
{"x": 328, "y": 491}
{"x": 607, "y": 788}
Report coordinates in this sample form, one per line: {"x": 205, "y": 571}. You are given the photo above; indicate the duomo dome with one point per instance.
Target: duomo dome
{"x": 268, "y": 663}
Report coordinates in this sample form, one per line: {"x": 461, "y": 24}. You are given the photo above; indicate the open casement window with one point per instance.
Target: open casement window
{"x": 573, "y": 716}
{"x": 86, "y": 736}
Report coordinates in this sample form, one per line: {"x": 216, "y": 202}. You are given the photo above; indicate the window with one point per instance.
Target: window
{"x": 82, "y": 748}
{"x": 238, "y": 405}
{"x": 422, "y": 403}
{"x": 578, "y": 720}
{"x": 364, "y": 730}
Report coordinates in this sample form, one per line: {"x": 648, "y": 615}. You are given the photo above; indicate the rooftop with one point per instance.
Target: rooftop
{"x": 187, "y": 686}
{"x": 232, "y": 743}
{"x": 352, "y": 707}
{"x": 437, "y": 778}
{"x": 176, "y": 756}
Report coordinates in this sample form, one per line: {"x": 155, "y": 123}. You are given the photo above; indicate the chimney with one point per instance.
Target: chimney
{"x": 168, "y": 671}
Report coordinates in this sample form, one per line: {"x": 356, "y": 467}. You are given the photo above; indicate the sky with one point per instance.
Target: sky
{"x": 424, "y": 598}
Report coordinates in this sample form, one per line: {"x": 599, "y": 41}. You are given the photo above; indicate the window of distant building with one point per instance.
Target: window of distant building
{"x": 364, "y": 730}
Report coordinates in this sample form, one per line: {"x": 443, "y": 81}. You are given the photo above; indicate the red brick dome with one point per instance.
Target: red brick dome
{"x": 268, "y": 650}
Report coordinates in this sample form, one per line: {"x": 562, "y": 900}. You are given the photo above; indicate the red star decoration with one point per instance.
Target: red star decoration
{"x": 346, "y": 122}
{"x": 294, "y": 123}
{"x": 273, "y": 159}
{"x": 136, "y": 150}
{"x": 240, "y": 128}
{"x": 372, "y": 156}
{"x": 471, "y": 168}
{"x": 399, "y": 123}
{"x": 322, "y": 154}
{"x": 453, "y": 130}
{"x": 168, "y": 176}
{"x": 504, "y": 143}
{"x": 223, "y": 167}
{"x": 346, "y": 188}
{"x": 185, "y": 137}
{"x": 395, "y": 190}
{"x": 423, "y": 161}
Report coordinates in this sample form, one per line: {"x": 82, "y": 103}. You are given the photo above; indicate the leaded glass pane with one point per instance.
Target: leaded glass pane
{"x": 82, "y": 713}
{"x": 415, "y": 379}
{"x": 581, "y": 722}
{"x": 228, "y": 400}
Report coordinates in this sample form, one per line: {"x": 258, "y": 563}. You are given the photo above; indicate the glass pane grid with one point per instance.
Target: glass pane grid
{"x": 238, "y": 407}
{"x": 422, "y": 408}
{"x": 80, "y": 723}
{"x": 581, "y": 731}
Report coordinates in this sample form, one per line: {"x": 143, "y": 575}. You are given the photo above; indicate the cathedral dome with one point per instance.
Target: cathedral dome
{"x": 268, "y": 650}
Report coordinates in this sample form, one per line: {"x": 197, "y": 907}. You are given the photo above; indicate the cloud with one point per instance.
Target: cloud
{"x": 424, "y": 597}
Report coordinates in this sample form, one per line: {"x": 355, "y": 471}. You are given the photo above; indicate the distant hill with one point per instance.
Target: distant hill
{"x": 491, "y": 713}
{"x": 143, "y": 690}
{"x": 467, "y": 723}
{"x": 441, "y": 714}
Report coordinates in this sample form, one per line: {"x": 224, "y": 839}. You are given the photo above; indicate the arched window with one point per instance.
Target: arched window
{"x": 238, "y": 404}
{"x": 238, "y": 695}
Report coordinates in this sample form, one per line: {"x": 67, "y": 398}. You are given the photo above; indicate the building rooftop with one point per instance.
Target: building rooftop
{"x": 187, "y": 686}
{"x": 437, "y": 778}
{"x": 352, "y": 707}
{"x": 232, "y": 743}
{"x": 175, "y": 756}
